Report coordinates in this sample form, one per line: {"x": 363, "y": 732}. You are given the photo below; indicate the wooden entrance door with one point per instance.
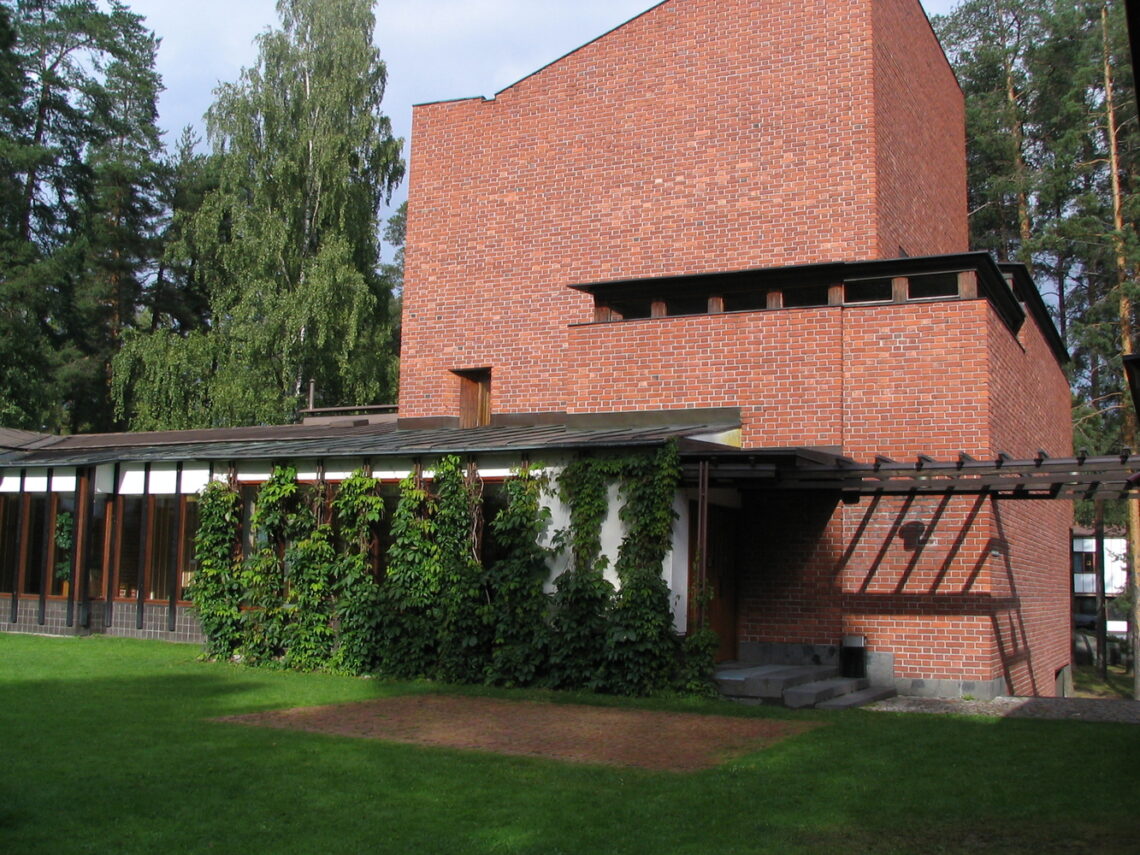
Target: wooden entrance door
{"x": 723, "y": 529}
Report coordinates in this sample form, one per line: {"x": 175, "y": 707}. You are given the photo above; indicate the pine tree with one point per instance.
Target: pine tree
{"x": 79, "y": 150}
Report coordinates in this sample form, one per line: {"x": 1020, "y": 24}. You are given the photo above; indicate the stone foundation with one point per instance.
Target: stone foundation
{"x": 91, "y": 619}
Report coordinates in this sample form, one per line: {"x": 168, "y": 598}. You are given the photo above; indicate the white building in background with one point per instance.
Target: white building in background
{"x": 1084, "y": 576}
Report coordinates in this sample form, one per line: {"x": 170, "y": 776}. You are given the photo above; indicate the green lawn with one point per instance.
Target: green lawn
{"x": 1088, "y": 684}
{"x": 106, "y": 748}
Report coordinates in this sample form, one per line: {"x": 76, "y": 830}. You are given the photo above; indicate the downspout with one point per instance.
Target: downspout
{"x": 21, "y": 544}
{"x": 49, "y": 550}
{"x": 702, "y": 543}
{"x": 174, "y": 574}
{"x": 142, "y": 576}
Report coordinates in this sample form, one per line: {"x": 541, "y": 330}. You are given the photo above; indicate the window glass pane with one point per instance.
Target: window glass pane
{"x": 802, "y": 298}
{"x": 933, "y": 285}
{"x": 868, "y": 291}
{"x": 130, "y": 546}
{"x": 96, "y": 543}
{"x": 249, "y": 544}
{"x": 189, "y": 529}
{"x": 633, "y": 309}
{"x": 747, "y": 301}
{"x": 687, "y": 305}
{"x": 9, "y": 542}
{"x": 37, "y": 545}
{"x": 64, "y": 534}
{"x": 163, "y": 546}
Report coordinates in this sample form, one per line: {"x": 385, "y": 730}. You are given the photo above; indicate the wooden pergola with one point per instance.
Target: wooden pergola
{"x": 1003, "y": 477}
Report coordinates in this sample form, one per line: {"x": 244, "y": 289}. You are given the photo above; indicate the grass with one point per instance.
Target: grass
{"x": 1088, "y": 684}
{"x": 107, "y": 748}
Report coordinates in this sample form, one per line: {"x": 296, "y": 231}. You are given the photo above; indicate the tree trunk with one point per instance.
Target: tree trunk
{"x": 1126, "y": 331}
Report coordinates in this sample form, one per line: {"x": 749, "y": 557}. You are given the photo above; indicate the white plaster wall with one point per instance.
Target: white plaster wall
{"x": 677, "y": 563}
{"x": 35, "y": 481}
{"x": 195, "y": 476}
{"x": 612, "y": 532}
{"x": 132, "y": 478}
{"x": 10, "y": 481}
{"x": 254, "y": 470}
{"x": 559, "y": 520}
{"x": 163, "y": 479}
{"x": 340, "y": 469}
{"x": 105, "y": 478}
{"x": 675, "y": 568}
{"x": 63, "y": 481}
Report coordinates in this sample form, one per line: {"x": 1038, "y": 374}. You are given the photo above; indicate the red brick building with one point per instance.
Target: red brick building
{"x": 757, "y": 210}
{"x": 736, "y": 224}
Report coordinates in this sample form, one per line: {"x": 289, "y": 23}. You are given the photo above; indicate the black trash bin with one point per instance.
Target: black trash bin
{"x": 853, "y": 656}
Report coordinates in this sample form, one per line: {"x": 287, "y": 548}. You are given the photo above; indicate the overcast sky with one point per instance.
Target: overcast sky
{"x": 434, "y": 49}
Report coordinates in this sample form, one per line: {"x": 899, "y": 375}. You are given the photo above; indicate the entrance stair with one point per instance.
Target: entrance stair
{"x": 796, "y": 686}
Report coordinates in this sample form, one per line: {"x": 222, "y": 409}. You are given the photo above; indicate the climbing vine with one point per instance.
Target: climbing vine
{"x": 464, "y": 629}
{"x": 517, "y": 614}
{"x": 410, "y": 593}
{"x": 641, "y": 645}
{"x": 358, "y": 509}
{"x": 216, "y": 587}
{"x": 295, "y": 599}
{"x": 618, "y": 640}
{"x": 281, "y": 516}
{"x": 309, "y": 594}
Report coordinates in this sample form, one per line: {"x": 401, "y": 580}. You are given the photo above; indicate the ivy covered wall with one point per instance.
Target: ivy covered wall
{"x": 551, "y": 577}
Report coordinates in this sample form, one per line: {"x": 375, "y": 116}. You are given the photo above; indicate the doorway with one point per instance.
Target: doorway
{"x": 721, "y": 569}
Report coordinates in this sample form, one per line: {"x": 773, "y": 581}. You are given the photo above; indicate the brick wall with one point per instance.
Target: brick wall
{"x": 892, "y": 379}
{"x": 916, "y": 113}
{"x": 710, "y": 135}
{"x": 703, "y": 135}
{"x": 1028, "y": 411}
{"x": 980, "y": 594}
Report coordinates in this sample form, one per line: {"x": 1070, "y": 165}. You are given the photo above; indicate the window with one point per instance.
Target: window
{"x": 698, "y": 305}
{"x": 745, "y": 301}
{"x": 9, "y": 542}
{"x": 474, "y": 397}
{"x": 98, "y": 541}
{"x": 188, "y": 564}
{"x": 59, "y": 576}
{"x": 868, "y": 291}
{"x": 803, "y": 298}
{"x": 932, "y": 286}
{"x": 1084, "y": 562}
{"x": 164, "y": 525}
{"x": 130, "y": 539}
{"x": 37, "y": 544}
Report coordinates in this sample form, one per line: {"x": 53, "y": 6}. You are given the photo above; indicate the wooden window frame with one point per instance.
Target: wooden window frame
{"x": 474, "y": 397}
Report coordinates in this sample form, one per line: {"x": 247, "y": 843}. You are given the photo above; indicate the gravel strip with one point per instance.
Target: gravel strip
{"x": 1073, "y": 709}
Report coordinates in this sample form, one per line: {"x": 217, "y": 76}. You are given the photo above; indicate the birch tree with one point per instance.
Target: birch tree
{"x": 287, "y": 244}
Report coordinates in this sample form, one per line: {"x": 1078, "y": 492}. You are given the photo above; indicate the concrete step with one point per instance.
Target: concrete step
{"x": 767, "y": 681}
{"x": 857, "y": 699}
{"x": 810, "y": 694}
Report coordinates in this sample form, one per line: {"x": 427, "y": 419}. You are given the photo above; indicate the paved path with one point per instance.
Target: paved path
{"x": 1075, "y": 709}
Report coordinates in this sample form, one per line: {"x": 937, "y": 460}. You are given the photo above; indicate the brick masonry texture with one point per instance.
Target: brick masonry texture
{"x": 715, "y": 135}
{"x": 703, "y": 135}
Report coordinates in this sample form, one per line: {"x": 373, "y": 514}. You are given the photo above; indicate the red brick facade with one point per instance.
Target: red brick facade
{"x": 703, "y": 135}
{"x": 719, "y": 135}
